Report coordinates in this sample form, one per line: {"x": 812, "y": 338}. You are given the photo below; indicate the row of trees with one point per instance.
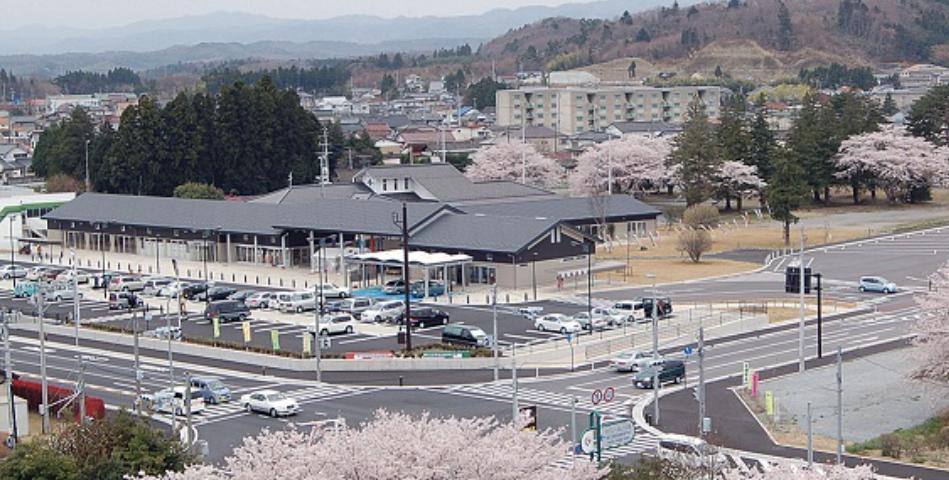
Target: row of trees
{"x": 119, "y": 79}
{"x": 322, "y": 79}
{"x": 247, "y": 140}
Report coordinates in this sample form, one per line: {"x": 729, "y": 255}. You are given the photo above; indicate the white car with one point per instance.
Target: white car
{"x": 35, "y": 273}
{"x": 335, "y": 323}
{"x": 171, "y": 290}
{"x": 271, "y": 402}
{"x": 153, "y": 285}
{"x": 530, "y": 312}
{"x": 389, "y": 311}
{"x": 614, "y": 316}
{"x": 12, "y": 271}
{"x": 296, "y": 301}
{"x": 126, "y": 283}
{"x": 173, "y": 401}
{"x": 557, "y": 322}
{"x": 60, "y": 291}
{"x": 261, "y": 299}
{"x": 164, "y": 333}
{"x": 595, "y": 322}
{"x": 632, "y": 361}
{"x": 330, "y": 290}
{"x": 67, "y": 276}
{"x": 691, "y": 452}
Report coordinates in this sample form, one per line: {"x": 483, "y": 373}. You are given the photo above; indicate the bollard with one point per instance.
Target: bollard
{"x": 487, "y": 299}
{"x": 257, "y": 280}
{"x": 263, "y": 370}
{"x": 281, "y": 282}
{"x": 268, "y": 280}
{"x": 245, "y": 278}
{"x": 525, "y": 296}
{"x": 401, "y": 383}
{"x": 294, "y": 283}
{"x": 536, "y": 372}
{"x": 507, "y": 298}
{"x": 467, "y": 299}
{"x": 149, "y": 269}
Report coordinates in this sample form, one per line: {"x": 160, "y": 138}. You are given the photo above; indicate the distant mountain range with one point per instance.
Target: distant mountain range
{"x": 230, "y": 27}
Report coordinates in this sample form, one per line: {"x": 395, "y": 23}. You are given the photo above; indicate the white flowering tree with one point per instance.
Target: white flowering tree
{"x": 820, "y": 472}
{"x": 892, "y": 160}
{"x": 735, "y": 180}
{"x": 932, "y": 340}
{"x": 635, "y": 163}
{"x": 396, "y": 446}
{"x": 512, "y": 161}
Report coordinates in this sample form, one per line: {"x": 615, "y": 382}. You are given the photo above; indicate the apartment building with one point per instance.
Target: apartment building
{"x": 577, "y": 110}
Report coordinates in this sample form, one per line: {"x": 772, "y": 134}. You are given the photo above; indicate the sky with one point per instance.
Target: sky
{"x": 110, "y": 13}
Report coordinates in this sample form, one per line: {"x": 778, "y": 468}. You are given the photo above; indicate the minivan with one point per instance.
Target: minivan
{"x": 877, "y": 284}
{"x": 153, "y": 285}
{"x": 669, "y": 371}
{"x": 126, "y": 283}
{"x": 227, "y": 311}
{"x": 465, "y": 335}
{"x": 296, "y": 301}
{"x": 211, "y": 389}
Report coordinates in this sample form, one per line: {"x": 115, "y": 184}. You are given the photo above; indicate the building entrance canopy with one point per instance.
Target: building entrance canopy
{"x": 416, "y": 259}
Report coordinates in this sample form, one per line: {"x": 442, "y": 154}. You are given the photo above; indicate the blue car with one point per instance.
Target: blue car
{"x": 210, "y": 389}
{"x": 877, "y": 284}
{"x": 435, "y": 289}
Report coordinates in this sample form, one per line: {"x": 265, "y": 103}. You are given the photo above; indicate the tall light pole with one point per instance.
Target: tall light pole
{"x": 318, "y": 348}
{"x": 403, "y": 222}
{"x": 12, "y": 253}
{"x": 494, "y": 321}
{"x": 39, "y": 297}
{"x": 75, "y": 295}
{"x": 88, "y": 183}
{"x": 800, "y": 329}
{"x": 655, "y": 347}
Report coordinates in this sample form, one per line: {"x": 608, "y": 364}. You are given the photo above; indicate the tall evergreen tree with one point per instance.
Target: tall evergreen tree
{"x": 785, "y": 27}
{"x": 929, "y": 117}
{"x": 179, "y": 127}
{"x": 812, "y": 144}
{"x": 762, "y": 144}
{"x": 889, "y": 105}
{"x": 785, "y": 191}
{"x": 134, "y": 163}
{"x": 64, "y": 149}
{"x": 733, "y": 132}
{"x": 696, "y": 154}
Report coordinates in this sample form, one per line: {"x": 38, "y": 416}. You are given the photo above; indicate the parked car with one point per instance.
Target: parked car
{"x": 50, "y": 274}
{"x": 330, "y": 290}
{"x": 394, "y": 287}
{"x": 465, "y": 335}
{"x": 260, "y": 299}
{"x": 241, "y": 295}
{"x": 669, "y": 371}
{"x": 190, "y": 292}
{"x": 596, "y": 321}
{"x": 270, "y": 402}
{"x": 153, "y": 285}
{"x": 296, "y": 301}
{"x": 227, "y": 311}
{"x": 530, "y": 312}
{"x": 59, "y": 291}
{"x": 690, "y": 452}
{"x": 171, "y": 290}
{"x": 615, "y": 317}
{"x": 124, "y": 300}
{"x": 557, "y": 322}
{"x": 353, "y": 306}
{"x": 102, "y": 279}
{"x": 163, "y": 333}
{"x": 172, "y": 400}
{"x": 426, "y": 317}
{"x": 877, "y": 284}
{"x": 215, "y": 293}
{"x": 12, "y": 271}
{"x": 126, "y": 283}
{"x": 334, "y": 323}
{"x": 631, "y": 361}
{"x": 211, "y": 389}
{"x": 25, "y": 289}
{"x": 435, "y": 288}
{"x": 36, "y": 273}
{"x": 646, "y": 305}
{"x": 388, "y": 311}
{"x": 67, "y": 276}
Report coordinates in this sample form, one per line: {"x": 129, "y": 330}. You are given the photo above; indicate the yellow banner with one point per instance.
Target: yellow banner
{"x": 306, "y": 343}
{"x": 275, "y": 339}
{"x": 246, "y": 327}
{"x": 217, "y": 327}
{"x": 769, "y": 403}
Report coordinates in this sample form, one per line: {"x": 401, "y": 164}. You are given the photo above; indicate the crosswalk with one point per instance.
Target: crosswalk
{"x": 324, "y": 391}
{"x": 643, "y": 441}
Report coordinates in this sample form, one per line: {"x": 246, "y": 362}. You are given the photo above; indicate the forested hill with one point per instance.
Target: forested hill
{"x": 799, "y": 32}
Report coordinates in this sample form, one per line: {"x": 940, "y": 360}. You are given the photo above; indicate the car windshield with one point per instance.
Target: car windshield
{"x": 215, "y": 385}
{"x": 273, "y": 397}
{"x": 706, "y": 449}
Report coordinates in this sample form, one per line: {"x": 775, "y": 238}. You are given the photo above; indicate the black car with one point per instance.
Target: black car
{"x": 427, "y": 316}
{"x": 241, "y": 295}
{"x": 216, "y": 293}
{"x": 227, "y": 311}
{"x": 669, "y": 371}
{"x": 646, "y": 305}
{"x": 465, "y": 335}
{"x": 190, "y": 292}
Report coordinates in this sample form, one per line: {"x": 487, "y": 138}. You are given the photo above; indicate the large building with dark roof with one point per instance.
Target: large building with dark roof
{"x": 515, "y": 234}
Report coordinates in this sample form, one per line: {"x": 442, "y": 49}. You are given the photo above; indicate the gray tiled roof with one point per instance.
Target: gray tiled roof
{"x": 566, "y": 209}
{"x": 309, "y": 194}
{"x": 481, "y": 233}
{"x": 419, "y": 171}
{"x": 461, "y": 189}
{"x": 332, "y": 215}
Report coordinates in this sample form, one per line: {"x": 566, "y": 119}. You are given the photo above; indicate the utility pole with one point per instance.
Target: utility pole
{"x": 88, "y": 183}
{"x": 573, "y": 423}
{"x": 494, "y": 322}
{"x": 81, "y": 390}
{"x": 810, "y": 438}
{"x": 8, "y": 365}
{"x": 655, "y": 352}
{"x": 820, "y": 327}
{"x": 701, "y": 387}
{"x": 188, "y": 433}
{"x": 75, "y": 295}
{"x": 12, "y": 251}
{"x": 800, "y": 329}
{"x": 319, "y": 311}
{"x": 405, "y": 276}
{"x": 523, "y": 151}
{"x": 39, "y": 296}
{"x": 840, "y": 408}
{"x": 138, "y": 367}
{"x": 324, "y": 162}
{"x": 514, "y": 407}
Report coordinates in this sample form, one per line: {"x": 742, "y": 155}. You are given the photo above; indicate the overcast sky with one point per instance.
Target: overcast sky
{"x": 106, "y": 13}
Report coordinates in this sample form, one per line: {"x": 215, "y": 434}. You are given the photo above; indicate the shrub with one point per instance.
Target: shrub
{"x": 890, "y": 445}
{"x": 698, "y": 216}
{"x": 61, "y": 182}
{"x": 695, "y": 243}
{"x": 199, "y": 191}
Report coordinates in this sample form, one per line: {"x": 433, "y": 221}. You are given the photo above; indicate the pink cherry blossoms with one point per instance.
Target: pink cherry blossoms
{"x": 789, "y": 471}
{"x": 932, "y": 339}
{"x": 636, "y": 163}
{"x": 512, "y": 161}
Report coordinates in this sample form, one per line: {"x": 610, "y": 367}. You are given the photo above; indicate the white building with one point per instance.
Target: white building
{"x": 21, "y": 209}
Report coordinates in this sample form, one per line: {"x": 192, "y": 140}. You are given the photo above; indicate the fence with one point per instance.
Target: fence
{"x": 33, "y": 393}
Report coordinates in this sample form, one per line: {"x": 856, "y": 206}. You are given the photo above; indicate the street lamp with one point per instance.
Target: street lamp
{"x": 207, "y": 251}
{"x": 88, "y": 183}
{"x": 12, "y": 252}
{"x": 655, "y": 346}
{"x": 105, "y": 286}
{"x": 534, "y": 275}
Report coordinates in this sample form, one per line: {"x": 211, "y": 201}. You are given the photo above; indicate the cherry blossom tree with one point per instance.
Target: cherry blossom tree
{"x": 735, "y": 180}
{"x": 932, "y": 340}
{"x": 512, "y": 161}
{"x": 893, "y": 160}
{"x": 637, "y": 163}
{"x": 789, "y": 471}
{"x": 396, "y": 446}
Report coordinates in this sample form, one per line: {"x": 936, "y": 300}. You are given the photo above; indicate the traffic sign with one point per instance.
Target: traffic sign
{"x": 588, "y": 442}
{"x": 615, "y": 434}
{"x": 609, "y": 394}
{"x": 4, "y": 333}
{"x": 325, "y": 342}
{"x": 596, "y": 397}
{"x": 687, "y": 350}
{"x": 568, "y": 337}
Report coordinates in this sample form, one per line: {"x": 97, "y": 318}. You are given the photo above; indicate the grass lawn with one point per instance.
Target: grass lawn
{"x": 926, "y": 443}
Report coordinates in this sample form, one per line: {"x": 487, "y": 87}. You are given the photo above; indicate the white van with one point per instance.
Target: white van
{"x": 296, "y": 301}
{"x": 690, "y": 451}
